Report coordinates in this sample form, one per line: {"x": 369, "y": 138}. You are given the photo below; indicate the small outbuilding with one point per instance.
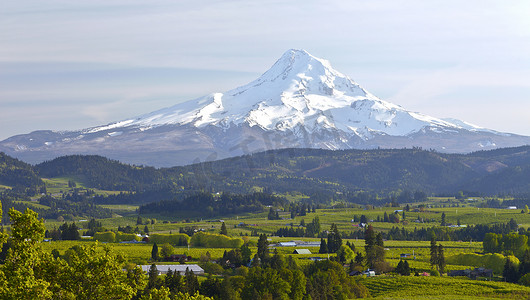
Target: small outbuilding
{"x": 302, "y": 251}
{"x": 287, "y": 244}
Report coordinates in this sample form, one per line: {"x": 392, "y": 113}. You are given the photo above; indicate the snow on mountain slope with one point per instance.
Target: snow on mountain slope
{"x": 301, "y": 101}
{"x": 298, "y": 90}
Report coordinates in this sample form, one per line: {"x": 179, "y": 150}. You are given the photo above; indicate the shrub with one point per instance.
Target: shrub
{"x": 493, "y": 261}
{"x": 124, "y": 237}
{"x": 106, "y": 237}
{"x": 212, "y": 268}
{"x": 178, "y": 239}
{"x": 202, "y": 239}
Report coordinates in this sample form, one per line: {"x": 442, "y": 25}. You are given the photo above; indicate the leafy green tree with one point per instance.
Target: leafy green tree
{"x": 351, "y": 246}
{"x": 96, "y": 272}
{"x": 513, "y": 224}
{"x": 394, "y": 218}
{"x": 273, "y": 215}
{"x": 246, "y": 254}
{"x": 210, "y": 287}
{"x": 443, "y": 220}
{"x": 69, "y": 232}
{"x": 265, "y": 283}
{"x": 277, "y": 261}
{"x": 3, "y": 235}
{"x": 328, "y": 280}
{"x": 313, "y": 227}
{"x": 491, "y": 243}
{"x": 345, "y": 253}
{"x": 374, "y": 251}
{"x": 298, "y": 285}
{"x": 166, "y": 251}
{"x": 525, "y": 280}
{"x": 19, "y": 277}
{"x": 223, "y": 229}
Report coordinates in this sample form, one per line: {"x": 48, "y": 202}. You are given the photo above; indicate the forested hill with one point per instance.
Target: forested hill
{"x": 315, "y": 171}
{"x": 103, "y": 173}
{"x": 19, "y": 175}
{"x": 374, "y": 170}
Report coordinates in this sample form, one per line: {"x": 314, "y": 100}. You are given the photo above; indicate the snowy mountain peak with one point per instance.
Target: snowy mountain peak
{"x": 301, "y": 94}
{"x": 301, "y": 101}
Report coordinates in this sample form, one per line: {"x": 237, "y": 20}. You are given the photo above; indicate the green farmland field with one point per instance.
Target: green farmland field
{"x": 427, "y": 287}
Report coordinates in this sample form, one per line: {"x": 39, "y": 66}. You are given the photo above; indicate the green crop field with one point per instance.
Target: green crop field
{"x": 58, "y": 185}
{"x": 381, "y": 287}
{"x": 427, "y": 287}
{"x": 33, "y": 204}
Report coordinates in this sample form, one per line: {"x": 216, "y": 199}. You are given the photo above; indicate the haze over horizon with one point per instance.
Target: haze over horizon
{"x": 66, "y": 66}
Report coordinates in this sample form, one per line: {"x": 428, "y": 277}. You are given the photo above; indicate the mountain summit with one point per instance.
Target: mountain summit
{"x": 301, "y": 101}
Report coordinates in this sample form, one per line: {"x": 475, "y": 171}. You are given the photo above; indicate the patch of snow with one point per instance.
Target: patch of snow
{"x": 486, "y": 144}
{"x": 115, "y": 133}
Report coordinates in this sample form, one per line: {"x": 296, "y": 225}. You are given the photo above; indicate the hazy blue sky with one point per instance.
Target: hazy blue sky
{"x": 75, "y": 64}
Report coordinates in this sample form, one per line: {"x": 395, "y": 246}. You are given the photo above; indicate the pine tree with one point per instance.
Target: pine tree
{"x": 154, "y": 252}
{"x": 334, "y": 239}
{"x": 351, "y": 268}
{"x": 434, "y": 252}
{"x": 406, "y": 268}
{"x": 379, "y": 240}
{"x": 524, "y": 266}
{"x": 223, "y": 229}
{"x": 246, "y": 254}
{"x": 363, "y": 219}
{"x": 153, "y": 277}
{"x": 263, "y": 249}
{"x": 192, "y": 283}
{"x": 443, "y": 219}
{"x": 399, "y": 268}
{"x": 510, "y": 271}
{"x": 359, "y": 259}
{"x": 323, "y": 246}
{"x": 440, "y": 259}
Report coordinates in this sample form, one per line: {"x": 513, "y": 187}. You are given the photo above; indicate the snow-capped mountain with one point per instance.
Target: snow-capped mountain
{"x": 301, "y": 101}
